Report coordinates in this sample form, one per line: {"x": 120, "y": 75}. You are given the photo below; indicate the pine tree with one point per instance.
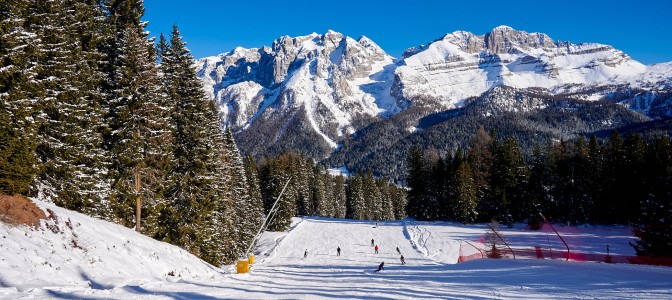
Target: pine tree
{"x": 70, "y": 153}
{"x": 372, "y": 198}
{"x": 483, "y": 158}
{"x": 614, "y": 181}
{"x": 248, "y": 210}
{"x": 339, "y": 197}
{"x": 595, "y": 165}
{"x": 399, "y": 202}
{"x": 137, "y": 136}
{"x": 538, "y": 185}
{"x": 253, "y": 188}
{"x": 274, "y": 175}
{"x": 356, "y": 205}
{"x": 465, "y": 198}
{"x": 206, "y": 173}
{"x": 637, "y": 190}
{"x": 17, "y": 95}
{"x": 655, "y": 223}
{"x": 480, "y": 158}
{"x": 582, "y": 182}
{"x": 509, "y": 179}
{"x": 319, "y": 194}
{"x": 387, "y": 201}
{"x": 416, "y": 179}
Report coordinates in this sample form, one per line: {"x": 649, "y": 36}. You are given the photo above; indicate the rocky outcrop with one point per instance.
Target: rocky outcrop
{"x": 504, "y": 39}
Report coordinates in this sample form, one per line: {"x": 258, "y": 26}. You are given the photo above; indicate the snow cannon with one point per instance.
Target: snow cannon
{"x": 243, "y": 266}
{"x": 251, "y": 259}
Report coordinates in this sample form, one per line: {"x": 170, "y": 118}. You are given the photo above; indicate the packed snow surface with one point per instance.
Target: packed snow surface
{"x": 126, "y": 265}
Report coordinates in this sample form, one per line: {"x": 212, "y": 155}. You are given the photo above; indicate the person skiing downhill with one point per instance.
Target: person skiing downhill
{"x": 376, "y": 249}
{"x": 338, "y": 251}
{"x": 403, "y": 262}
{"x": 398, "y": 250}
{"x": 380, "y": 267}
{"x": 371, "y": 242}
{"x": 305, "y": 254}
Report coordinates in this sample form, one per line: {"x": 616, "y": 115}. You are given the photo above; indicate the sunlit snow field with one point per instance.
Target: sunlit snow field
{"x": 281, "y": 271}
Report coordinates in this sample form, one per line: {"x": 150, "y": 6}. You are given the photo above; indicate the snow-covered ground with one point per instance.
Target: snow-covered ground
{"x": 119, "y": 264}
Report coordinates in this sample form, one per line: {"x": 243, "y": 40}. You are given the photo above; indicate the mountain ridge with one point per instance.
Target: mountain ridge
{"x": 312, "y": 93}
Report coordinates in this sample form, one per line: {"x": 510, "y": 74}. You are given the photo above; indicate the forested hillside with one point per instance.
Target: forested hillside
{"x": 90, "y": 122}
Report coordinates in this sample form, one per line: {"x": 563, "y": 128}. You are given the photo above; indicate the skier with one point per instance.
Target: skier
{"x": 305, "y": 254}
{"x": 380, "y": 267}
{"x": 403, "y": 262}
{"x": 398, "y": 250}
{"x": 376, "y": 249}
{"x": 338, "y": 251}
{"x": 371, "y": 242}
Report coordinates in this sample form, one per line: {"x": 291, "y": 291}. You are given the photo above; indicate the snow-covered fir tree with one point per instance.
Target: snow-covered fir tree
{"x": 247, "y": 208}
{"x": 17, "y": 98}
{"x": 275, "y": 174}
{"x": 198, "y": 210}
{"x": 137, "y": 133}
{"x": 72, "y": 160}
{"x": 356, "y": 198}
{"x": 339, "y": 197}
{"x": 319, "y": 194}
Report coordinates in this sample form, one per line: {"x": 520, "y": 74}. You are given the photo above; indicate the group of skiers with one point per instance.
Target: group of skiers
{"x": 373, "y": 244}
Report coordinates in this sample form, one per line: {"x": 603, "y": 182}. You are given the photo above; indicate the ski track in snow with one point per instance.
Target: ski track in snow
{"x": 430, "y": 249}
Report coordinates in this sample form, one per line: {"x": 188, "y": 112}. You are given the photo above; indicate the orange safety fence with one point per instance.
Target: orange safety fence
{"x": 541, "y": 253}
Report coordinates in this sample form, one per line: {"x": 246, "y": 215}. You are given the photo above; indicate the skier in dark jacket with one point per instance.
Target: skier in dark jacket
{"x": 398, "y": 250}
{"x": 371, "y": 242}
{"x": 380, "y": 267}
{"x": 403, "y": 262}
{"x": 305, "y": 254}
{"x": 338, "y": 251}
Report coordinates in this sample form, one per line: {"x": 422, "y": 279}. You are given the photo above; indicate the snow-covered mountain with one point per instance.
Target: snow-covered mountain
{"x": 322, "y": 88}
{"x": 462, "y": 65}
{"x": 330, "y": 79}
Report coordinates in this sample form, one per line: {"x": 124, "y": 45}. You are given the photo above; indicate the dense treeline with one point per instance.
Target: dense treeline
{"x": 312, "y": 191}
{"x": 91, "y": 122}
{"x": 383, "y": 146}
{"x": 620, "y": 182}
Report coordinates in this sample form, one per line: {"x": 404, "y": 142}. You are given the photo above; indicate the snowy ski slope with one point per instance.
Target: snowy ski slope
{"x": 431, "y": 250}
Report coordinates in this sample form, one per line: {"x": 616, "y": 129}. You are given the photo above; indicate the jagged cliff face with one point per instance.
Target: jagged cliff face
{"x": 331, "y": 81}
{"x": 463, "y": 65}
{"x": 318, "y": 89}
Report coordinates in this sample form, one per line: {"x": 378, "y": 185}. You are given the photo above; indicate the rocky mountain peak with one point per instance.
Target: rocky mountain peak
{"x": 317, "y": 89}
{"x": 504, "y": 39}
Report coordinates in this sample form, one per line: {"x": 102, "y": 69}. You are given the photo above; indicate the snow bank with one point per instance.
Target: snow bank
{"x": 71, "y": 249}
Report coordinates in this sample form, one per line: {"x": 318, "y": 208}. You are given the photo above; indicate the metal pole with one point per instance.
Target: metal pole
{"x": 556, "y": 232}
{"x": 479, "y": 250}
{"x": 264, "y": 224}
{"x": 505, "y": 243}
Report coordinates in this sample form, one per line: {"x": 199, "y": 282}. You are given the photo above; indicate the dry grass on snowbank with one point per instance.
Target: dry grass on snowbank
{"x": 17, "y": 210}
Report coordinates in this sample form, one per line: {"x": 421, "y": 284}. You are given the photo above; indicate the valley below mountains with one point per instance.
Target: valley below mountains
{"x": 347, "y": 103}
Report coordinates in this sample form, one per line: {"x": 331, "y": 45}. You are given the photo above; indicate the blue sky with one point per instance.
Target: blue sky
{"x": 640, "y": 28}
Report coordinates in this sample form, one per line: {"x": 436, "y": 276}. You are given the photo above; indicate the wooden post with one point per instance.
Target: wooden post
{"x": 138, "y": 201}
